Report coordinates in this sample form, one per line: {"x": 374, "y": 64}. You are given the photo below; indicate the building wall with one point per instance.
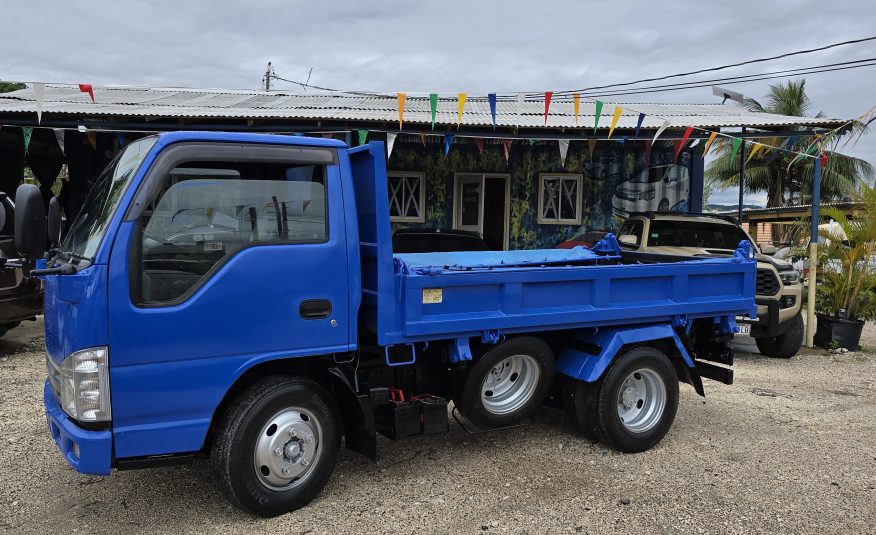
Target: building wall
{"x": 621, "y": 161}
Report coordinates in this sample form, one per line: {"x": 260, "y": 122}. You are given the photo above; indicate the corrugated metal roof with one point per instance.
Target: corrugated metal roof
{"x": 214, "y": 104}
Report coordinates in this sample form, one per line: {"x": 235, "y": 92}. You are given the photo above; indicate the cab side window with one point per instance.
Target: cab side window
{"x": 205, "y": 211}
{"x": 630, "y": 234}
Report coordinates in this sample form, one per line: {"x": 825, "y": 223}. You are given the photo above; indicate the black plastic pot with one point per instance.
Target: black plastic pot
{"x": 846, "y": 333}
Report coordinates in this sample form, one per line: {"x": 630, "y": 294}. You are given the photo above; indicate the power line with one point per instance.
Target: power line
{"x": 728, "y": 66}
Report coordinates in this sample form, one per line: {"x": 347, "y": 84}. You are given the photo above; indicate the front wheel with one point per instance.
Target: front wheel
{"x": 785, "y": 345}
{"x": 632, "y": 407}
{"x": 277, "y": 445}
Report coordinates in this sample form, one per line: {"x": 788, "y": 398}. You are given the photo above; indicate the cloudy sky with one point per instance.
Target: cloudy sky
{"x": 447, "y": 47}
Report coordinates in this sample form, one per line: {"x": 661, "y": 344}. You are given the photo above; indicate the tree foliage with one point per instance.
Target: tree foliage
{"x": 6, "y": 87}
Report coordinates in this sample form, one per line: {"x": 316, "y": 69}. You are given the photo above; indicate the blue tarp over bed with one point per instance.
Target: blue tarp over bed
{"x": 495, "y": 259}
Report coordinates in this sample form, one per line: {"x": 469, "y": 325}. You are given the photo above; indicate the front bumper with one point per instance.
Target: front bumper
{"x": 88, "y": 452}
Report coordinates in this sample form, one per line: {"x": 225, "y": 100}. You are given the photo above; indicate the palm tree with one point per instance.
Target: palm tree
{"x": 774, "y": 173}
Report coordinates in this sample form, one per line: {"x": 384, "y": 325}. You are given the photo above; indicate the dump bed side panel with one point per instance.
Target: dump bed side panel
{"x": 377, "y": 313}
{"x": 448, "y": 304}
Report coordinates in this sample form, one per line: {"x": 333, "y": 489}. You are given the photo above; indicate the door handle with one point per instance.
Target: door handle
{"x": 314, "y": 309}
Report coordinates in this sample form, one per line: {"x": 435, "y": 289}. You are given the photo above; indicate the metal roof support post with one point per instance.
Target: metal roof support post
{"x": 741, "y": 176}
{"x": 813, "y": 253}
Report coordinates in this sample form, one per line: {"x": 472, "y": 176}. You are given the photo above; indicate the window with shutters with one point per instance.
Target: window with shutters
{"x": 559, "y": 199}
{"x": 407, "y": 197}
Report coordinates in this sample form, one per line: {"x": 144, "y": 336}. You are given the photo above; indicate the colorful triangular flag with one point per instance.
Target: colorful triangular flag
{"x": 687, "y": 133}
{"x": 59, "y": 137}
{"x": 547, "y": 103}
{"x": 648, "y": 153}
{"x": 363, "y": 135}
{"x": 390, "y": 143}
{"x": 402, "y": 98}
{"x": 460, "y": 107}
{"x": 433, "y": 107}
{"x": 660, "y": 130}
{"x": 564, "y": 150}
{"x": 736, "y": 144}
{"x": 506, "y": 144}
{"x": 492, "y": 99}
{"x": 448, "y": 140}
{"x": 597, "y": 113}
{"x": 591, "y": 146}
{"x": 479, "y": 143}
{"x": 39, "y": 92}
{"x": 639, "y": 124}
{"x": 27, "y": 132}
{"x": 614, "y": 120}
{"x": 576, "y": 106}
{"x": 709, "y": 142}
{"x": 86, "y": 88}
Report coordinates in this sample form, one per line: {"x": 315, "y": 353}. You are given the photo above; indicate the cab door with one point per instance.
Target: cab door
{"x": 231, "y": 255}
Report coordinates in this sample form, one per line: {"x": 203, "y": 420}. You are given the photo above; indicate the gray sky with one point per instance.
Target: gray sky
{"x": 446, "y": 47}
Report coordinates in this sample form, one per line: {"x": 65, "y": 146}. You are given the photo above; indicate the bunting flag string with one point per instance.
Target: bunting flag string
{"x": 402, "y": 98}
{"x": 506, "y": 145}
{"x": 597, "y": 113}
{"x": 448, "y": 140}
{"x": 576, "y": 106}
{"x": 363, "y": 136}
{"x": 460, "y": 107}
{"x": 564, "y": 150}
{"x": 639, "y": 124}
{"x": 28, "y": 133}
{"x": 390, "y": 143}
{"x": 433, "y": 107}
{"x": 87, "y": 88}
{"x": 547, "y": 104}
{"x": 39, "y": 92}
{"x": 614, "y": 120}
{"x": 492, "y": 99}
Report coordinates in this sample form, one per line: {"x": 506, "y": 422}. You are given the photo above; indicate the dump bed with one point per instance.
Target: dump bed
{"x": 432, "y": 296}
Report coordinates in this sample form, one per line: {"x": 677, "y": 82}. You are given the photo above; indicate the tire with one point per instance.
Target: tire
{"x": 255, "y": 427}
{"x": 663, "y": 206}
{"x": 578, "y": 402}
{"x": 785, "y": 345}
{"x": 616, "y": 410}
{"x": 507, "y": 383}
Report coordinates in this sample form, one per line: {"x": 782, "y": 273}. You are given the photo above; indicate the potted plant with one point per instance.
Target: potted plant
{"x": 846, "y": 295}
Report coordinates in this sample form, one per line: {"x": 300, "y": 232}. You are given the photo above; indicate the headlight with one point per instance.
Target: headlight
{"x": 85, "y": 393}
{"x": 647, "y": 195}
{"x": 790, "y": 277}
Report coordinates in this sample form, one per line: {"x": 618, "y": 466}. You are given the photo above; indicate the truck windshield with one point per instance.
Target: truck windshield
{"x": 87, "y": 230}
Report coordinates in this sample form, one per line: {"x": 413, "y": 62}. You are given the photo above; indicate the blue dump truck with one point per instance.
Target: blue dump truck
{"x": 236, "y": 297}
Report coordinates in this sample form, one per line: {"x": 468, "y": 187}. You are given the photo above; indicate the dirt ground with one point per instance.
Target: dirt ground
{"x": 789, "y": 448}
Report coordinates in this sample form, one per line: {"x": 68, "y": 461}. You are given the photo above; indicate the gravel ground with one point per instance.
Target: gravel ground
{"x": 789, "y": 448}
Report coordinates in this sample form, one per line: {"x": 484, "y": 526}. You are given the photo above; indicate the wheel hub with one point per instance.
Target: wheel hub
{"x": 629, "y": 397}
{"x": 641, "y": 400}
{"x": 510, "y": 384}
{"x": 287, "y": 448}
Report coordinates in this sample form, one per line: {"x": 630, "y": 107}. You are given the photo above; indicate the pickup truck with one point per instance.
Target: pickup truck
{"x": 778, "y": 329}
{"x": 236, "y": 297}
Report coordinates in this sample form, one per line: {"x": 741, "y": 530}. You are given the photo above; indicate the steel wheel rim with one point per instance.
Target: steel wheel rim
{"x": 641, "y": 400}
{"x": 510, "y": 384}
{"x": 287, "y": 448}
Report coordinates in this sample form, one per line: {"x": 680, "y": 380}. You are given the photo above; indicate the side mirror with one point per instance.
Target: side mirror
{"x": 768, "y": 249}
{"x": 54, "y": 222}
{"x": 628, "y": 239}
{"x": 30, "y": 222}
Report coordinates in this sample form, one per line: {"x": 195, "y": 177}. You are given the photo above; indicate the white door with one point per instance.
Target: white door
{"x": 469, "y": 209}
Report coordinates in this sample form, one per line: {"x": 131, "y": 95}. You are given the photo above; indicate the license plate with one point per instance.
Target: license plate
{"x": 743, "y": 329}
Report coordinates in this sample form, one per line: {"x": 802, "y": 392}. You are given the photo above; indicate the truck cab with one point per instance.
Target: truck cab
{"x": 778, "y": 329}
{"x": 236, "y": 297}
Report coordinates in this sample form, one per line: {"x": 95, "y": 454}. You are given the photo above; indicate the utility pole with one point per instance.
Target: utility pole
{"x": 269, "y": 73}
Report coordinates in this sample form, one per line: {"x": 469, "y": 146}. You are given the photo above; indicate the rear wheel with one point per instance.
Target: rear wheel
{"x": 634, "y": 404}
{"x": 507, "y": 383}
{"x": 277, "y": 445}
{"x": 785, "y": 345}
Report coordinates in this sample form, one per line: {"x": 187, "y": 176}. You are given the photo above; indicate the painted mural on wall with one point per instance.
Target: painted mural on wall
{"x": 616, "y": 182}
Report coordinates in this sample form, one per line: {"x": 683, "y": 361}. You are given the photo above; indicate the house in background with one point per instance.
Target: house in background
{"x": 504, "y": 179}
